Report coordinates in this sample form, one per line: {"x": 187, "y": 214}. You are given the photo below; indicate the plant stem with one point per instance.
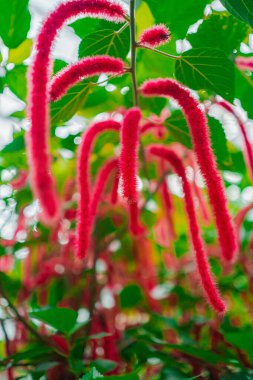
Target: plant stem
{"x": 32, "y": 330}
{"x": 7, "y": 342}
{"x": 133, "y": 51}
{"x": 158, "y": 51}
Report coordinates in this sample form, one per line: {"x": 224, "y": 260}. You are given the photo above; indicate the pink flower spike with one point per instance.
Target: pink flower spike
{"x": 100, "y": 184}
{"x": 244, "y": 63}
{"x": 84, "y": 217}
{"x": 39, "y": 157}
{"x": 202, "y": 146}
{"x": 135, "y": 227}
{"x": 115, "y": 188}
{"x": 206, "y": 277}
{"x": 128, "y": 161}
{"x": 85, "y": 68}
{"x": 228, "y": 107}
{"x": 155, "y": 36}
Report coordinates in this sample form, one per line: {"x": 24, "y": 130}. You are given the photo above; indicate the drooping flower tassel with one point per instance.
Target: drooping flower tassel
{"x": 206, "y": 160}
{"x": 206, "y": 277}
{"x": 99, "y": 186}
{"x": 244, "y": 63}
{"x": 43, "y": 183}
{"x": 83, "y": 218}
{"x": 85, "y": 68}
{"x": 155, "y": 36}
{"x": 128, "y": 165}
{"x": 115, "y": 189}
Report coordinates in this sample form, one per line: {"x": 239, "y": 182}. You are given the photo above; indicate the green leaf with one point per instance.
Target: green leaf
{"x": 220, "y": 31}
{"x": 243, "y": 91}
{"x": 178, "y": 128}
{"x": 10, "y": 285}
{"x": 34, "y": 351}
{"x": 14, "y": 22}
{"x": 22, "y": 52}
{"x": 242, "y": 9}
{"x": 85, "y": 26}
{"x": 106, "y": 41}
{"x": 93, "y": 374}
{"x": 16, "y": 81}
{"x": 178, "y": 16}
{"x": 17, "y": 145}
{"x": 129, "y": 376}
{"x": 103, "y": 365}
{"x": 207, "y": 69}
{"x": 130, "y": 296}
{"x": 73, "y": 101}
{"x": 61, "y": 319}
{"x": 242, "y": 340}
{"x": 152, "y": 65}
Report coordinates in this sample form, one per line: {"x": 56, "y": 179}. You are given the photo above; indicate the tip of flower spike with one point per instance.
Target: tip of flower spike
{"x": 155, "y": 36}
{"x": 244, "y": 63}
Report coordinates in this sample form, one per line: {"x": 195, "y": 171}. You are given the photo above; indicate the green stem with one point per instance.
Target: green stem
{"x": 21, "y": 319}
{"x": 158, "y": 51}
{"x": 133, "y": 51}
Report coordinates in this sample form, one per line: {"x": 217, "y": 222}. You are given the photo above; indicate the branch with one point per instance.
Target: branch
{"x": 158, "y": 51}
{"x": 133, "y": 51}
{"x": 21, "y": 319}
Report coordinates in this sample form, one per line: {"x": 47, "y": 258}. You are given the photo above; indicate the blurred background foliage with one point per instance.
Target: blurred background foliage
{"x": 149, "y": 318}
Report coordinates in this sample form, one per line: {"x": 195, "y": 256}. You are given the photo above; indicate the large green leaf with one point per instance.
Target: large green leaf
{"x": 243, "y": 340}
{"x": 178, "y": 16}
{"x": 179, "y": 131}
{"x": 244, "y": 90}
{"x": 207, "y": 69}
{"x": 242, "y": 9}
{"x": 106, "y": 41}
{"x": 17, "y": 144}
{"x": 220, "y": 31}
{"x": 16, "y": 81}
{"x": 92, "y": 374}
{"x": 61, "y": 319}
{"x": 21, "y": 53}
{"x": 130, "y": 296}
{"x": 14, "y": 21}
{"x": 73, "y": 101}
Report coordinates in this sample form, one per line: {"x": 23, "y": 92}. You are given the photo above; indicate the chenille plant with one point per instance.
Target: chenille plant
{"x": 126, "y": 202}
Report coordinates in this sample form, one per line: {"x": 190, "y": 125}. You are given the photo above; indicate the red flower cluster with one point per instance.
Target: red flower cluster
{"x": 207, "y": 281}
{"x": 39, "y": 95}
{"x": 85, "y": 68}
{"x": 126, "y": 166}
{"x": 202, "y": 147}
{"x": 155, "y": 36}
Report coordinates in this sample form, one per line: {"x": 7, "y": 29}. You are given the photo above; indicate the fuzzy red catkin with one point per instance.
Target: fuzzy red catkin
{"x": 128, "y": 161}
{"x": 83, "y": 218}
{"x": 115, "y": 188}
{"x": 135, "y": 227}
{"x": 85, "y": 68}
{"x": 43, "y": 182}
{"x": 205, "y": 157}
{"x": 244, "y": 63}
{"x": 199, "y": 194}
{"x": 155, "y": 36}
{"x": 207, "y": 280}
{"x": 99, "y": 186}
{"x": 228, "y": 107}
{"x": 128, "y": 164}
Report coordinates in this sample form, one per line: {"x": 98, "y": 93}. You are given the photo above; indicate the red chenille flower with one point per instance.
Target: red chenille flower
{"x": 207, "y": 280}
{"x": 202, "y": 146}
